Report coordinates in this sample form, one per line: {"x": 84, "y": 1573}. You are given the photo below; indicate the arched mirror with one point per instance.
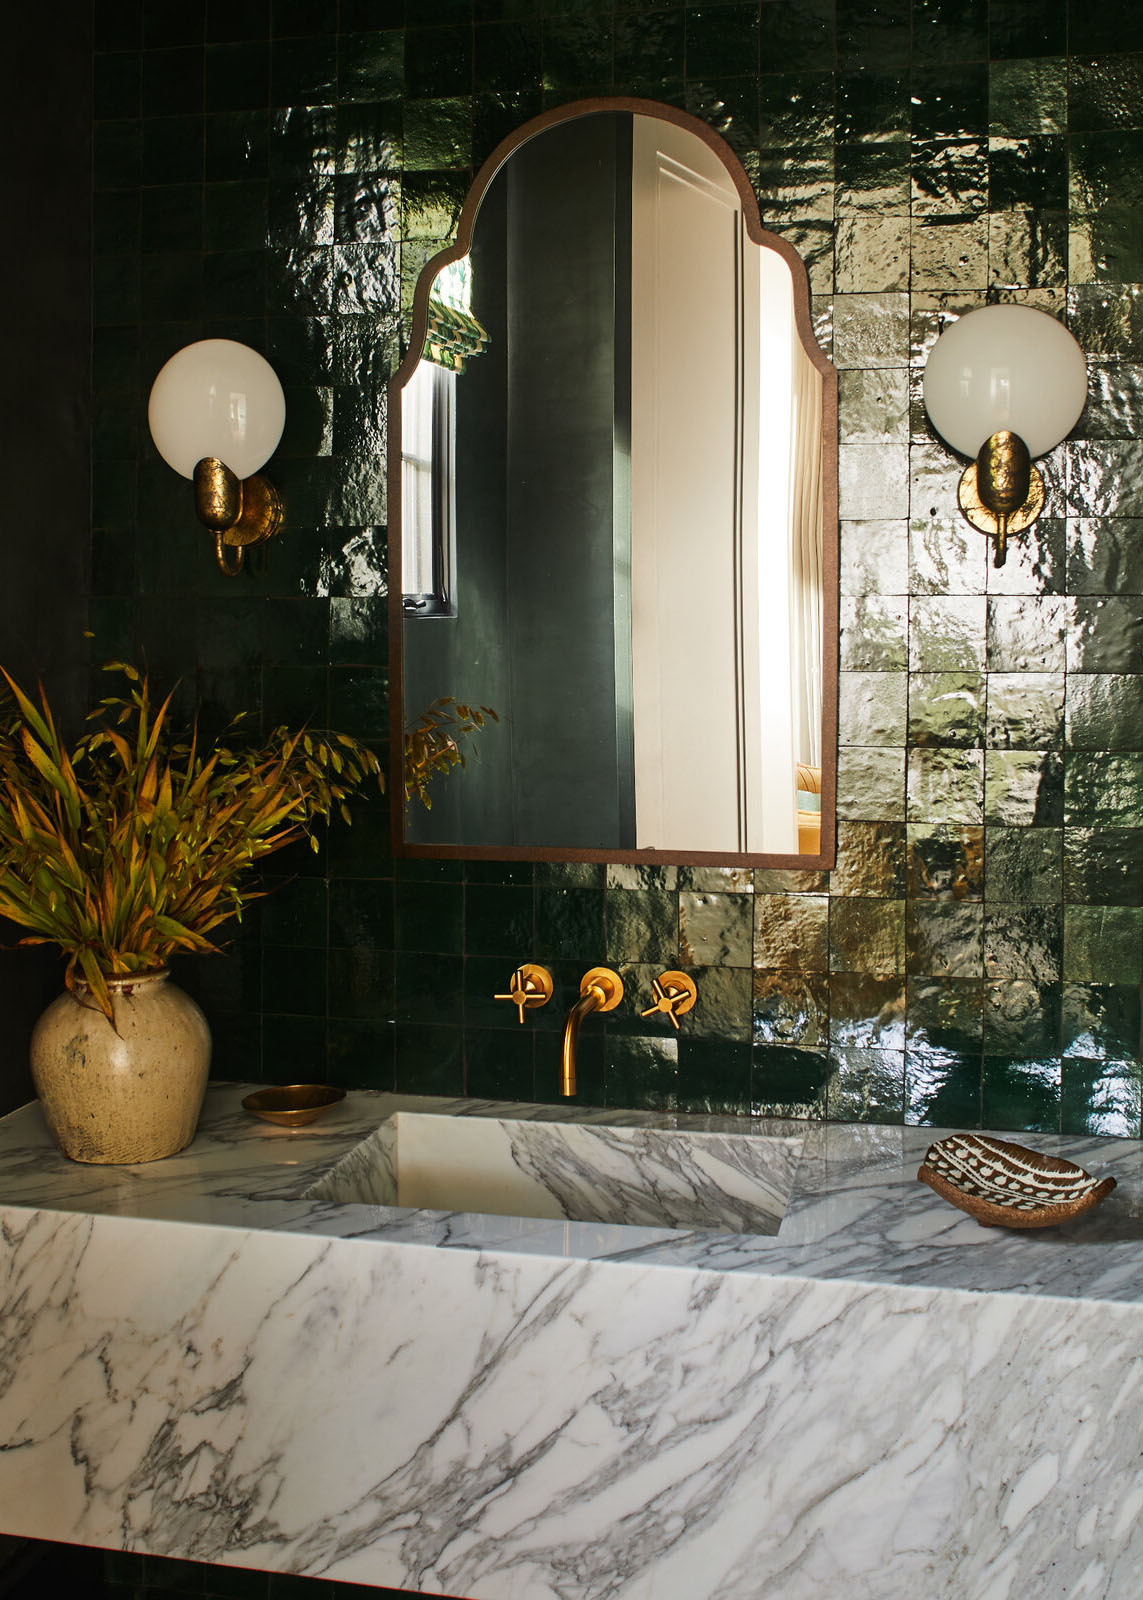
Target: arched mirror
{"x": 613, "y": 485}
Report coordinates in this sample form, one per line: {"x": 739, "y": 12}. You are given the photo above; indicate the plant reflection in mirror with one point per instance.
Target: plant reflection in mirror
{"x": 432, "y": 745}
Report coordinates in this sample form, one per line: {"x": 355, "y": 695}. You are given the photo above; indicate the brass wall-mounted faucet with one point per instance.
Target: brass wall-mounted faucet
{"x": 599, "y": 990}
{"x": 675, "y": 995}
{"x": 530, "y": 986}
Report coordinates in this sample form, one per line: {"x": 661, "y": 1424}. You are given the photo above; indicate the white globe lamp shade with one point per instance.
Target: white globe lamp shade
{"x": 1005, "y": 367}
{"x": 217, "y": 398}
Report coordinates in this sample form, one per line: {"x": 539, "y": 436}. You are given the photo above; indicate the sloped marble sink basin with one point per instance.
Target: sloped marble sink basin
{"x": 639, "y": 1176}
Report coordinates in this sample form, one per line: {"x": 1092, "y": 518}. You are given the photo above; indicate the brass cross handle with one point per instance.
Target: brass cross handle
{"x": 675, "y": 994}
{"x": 530, "y": 986}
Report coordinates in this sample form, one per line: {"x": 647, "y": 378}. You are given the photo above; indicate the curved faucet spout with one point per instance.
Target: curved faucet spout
{"x": 599, "y": 990}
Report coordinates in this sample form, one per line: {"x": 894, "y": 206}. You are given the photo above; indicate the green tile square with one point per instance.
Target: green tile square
{"x": 641, "y": 1073}
{"x": 875, "y": 558}
{"x": 945, "y": 862}
{"x": 946, "y": 708}
{"x": 795, "y": 107}
{"x": 1100, "y": 1097}
{"x": 945, "y": 786}
{"x": 1103, "y": 790}
{"x": 787, "y": 1082}
{"x": 873, "y": 105}
{"x": 1024, "y": 788}
{"x": 426, "y": 988}
{"x": 1021, "y": 942}
{"x": 237, "y": 76}
{"x": 1112, "y": 26}
{"x": 1021, "y": 1095}
{"x": 791, "y": 1008}
{"x": 499, "y": 1065}
{"x": 871, "y": 784}
{"x": 507, "y": 55}
{"x": 865, "y": 1013}
{"x": 1103, "y": 866}
{"x": 361, "y": 913}
{"x": 714, "y": 929}
{"x": 429, "y": 917}
{"x": 1029, "y": 174}
{"x": 371, "y": 64}
{"x": 947, "y": 634}
{"x": 950, "y": 98}
{"x": 873, "y": 708}
{"x": 569, "y": 924}
{"x": 577, "y": 50}
{"x": 172, "y": 81}
{"x": 870, "y": 860}
{"x": 303, "y": 72}
{"x": 714, "y": 1076}
{"x": 723, "y": 1009}
{"x": 1101, "y": 1021}
{"x": 867, "y": 936}
{"x": 944, "y": 939}
{"x": 1103, "y": 944}
{"x": 438, "y": 134}
{"x": 498, "y": 921}
{"x": 362, "y": 984}
{"x": 1027, "y": 27}
{"x": 866, "y": 1085}
{"x": 429, "y": 1060}
{"x": 1026, "y": 710}
{"x": 295, "y": 912}
{"x": 1106, "y": 634}
{"x": 877, "y": 36}
{"x": 1023, "y": 864}
{"x": 1021, "y": 1018}
{"x": 791, "y": 930}
{"x": 1105, "y": 554}
{"x": 942, "y": 1088}
{"x": 1028, "y": 96}
{"x": 944, "y": 1014}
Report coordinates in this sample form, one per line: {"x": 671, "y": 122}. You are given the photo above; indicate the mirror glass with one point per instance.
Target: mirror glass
{"x": 616, "y": 496}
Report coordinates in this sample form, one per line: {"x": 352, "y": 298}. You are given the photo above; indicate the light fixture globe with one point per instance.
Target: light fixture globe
{"x": 1004, "y": 384}
{"x": 217, "y": 398}
{"x": 216, "y": 414}
{"x": 1005, "y": 367}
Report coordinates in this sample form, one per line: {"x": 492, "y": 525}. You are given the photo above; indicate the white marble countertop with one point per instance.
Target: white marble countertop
{"x": 201, "y": 1358}
{"x": 856, "y": 1212}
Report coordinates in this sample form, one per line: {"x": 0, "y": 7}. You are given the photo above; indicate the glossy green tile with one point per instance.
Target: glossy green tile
{"x": 714, "y": 1076}
{"x": 1102, "y": 1022}
{"x": 724, "y": 1008}
{"x": 1105, "y": 713}
{"x": 569, "y": 925}
{"x": 866, "y": 1085}
{"x": 944, "y": 1014}
{"x": 947, "y": 708}
{"x": 788, "y": 1082}
{"x": 1024, "y": 788}
{"x": 947, "y": 634}
{"x": 642, "y": 925}
{"x": 791, "y": 931}
{"x": 1024, "y": 865}
{"x": 1030, "y": 96}
{"x": 1021, "y": 1095}
{"x": 944, "y": 939}
{"x": 578, "y": 49}
{"x": 945, "y": 862}
{"x": 864, "y": 1012}
{"x": 873, "y": 104}
{"x": 870, "y": 860}
{"x": 791, "y": 1008}
{"x": 871, "y": 784}
{"x": 1100, "y": 1097}
{"x": 945, "y": 785}
{"x": 867, "y": 936}
{"x": 942, "y": 1087}
{"x": 303, "y": 71}
{"x": 1103, "y": 866}
{"x": 714, "y": 929}
{"x": 1023, "y": 942}
{"x": 1104, "y": 790}
{"x": 1103, "y": 944}
{"x": 499, "y": 1065}
{"x": 642, "y": 1073}
{"x": 429, "y": 1060}
{"x": 873, "y": 33}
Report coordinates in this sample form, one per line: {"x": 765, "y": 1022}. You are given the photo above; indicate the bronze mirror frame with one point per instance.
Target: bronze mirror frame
{"x": 401, "y": 847}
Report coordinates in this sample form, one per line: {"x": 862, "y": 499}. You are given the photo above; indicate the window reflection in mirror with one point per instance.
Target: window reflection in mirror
{"x": 617, "y": 501}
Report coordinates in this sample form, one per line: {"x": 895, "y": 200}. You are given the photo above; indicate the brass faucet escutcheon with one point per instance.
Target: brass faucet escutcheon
{"x": 530, "y": 986}
{"x": 599, "y": 990}
{"x": 675, "y": 994}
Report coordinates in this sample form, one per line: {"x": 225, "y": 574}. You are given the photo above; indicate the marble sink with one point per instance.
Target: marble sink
{"x": 634, "y": 1176}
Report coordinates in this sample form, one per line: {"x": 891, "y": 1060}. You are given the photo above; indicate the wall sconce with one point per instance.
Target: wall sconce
{"x": 1004, "y": 384}
{"x": 216, "y": 414}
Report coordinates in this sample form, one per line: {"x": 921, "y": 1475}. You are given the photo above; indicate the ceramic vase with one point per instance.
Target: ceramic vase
{"x": 129, "y": 1093}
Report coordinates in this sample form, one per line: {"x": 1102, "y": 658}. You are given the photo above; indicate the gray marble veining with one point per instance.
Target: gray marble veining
{"x": 215, "y": 1357}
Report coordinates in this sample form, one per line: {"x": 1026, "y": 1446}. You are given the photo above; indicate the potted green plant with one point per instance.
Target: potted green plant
{"x": 136, "y": 844}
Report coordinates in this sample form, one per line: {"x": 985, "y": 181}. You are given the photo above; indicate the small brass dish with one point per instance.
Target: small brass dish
{"x": 292, "y": 1105}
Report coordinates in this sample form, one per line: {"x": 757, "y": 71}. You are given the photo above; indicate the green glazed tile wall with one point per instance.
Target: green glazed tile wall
{"x": 279, "y": 172}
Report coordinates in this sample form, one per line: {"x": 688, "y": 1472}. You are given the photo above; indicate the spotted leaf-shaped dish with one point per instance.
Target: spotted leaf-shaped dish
{"x": 1004, "y": 1185}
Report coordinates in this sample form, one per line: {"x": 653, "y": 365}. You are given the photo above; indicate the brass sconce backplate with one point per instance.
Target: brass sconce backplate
{"x": 1001, "y": 492}
{"x": 240, "y": 511}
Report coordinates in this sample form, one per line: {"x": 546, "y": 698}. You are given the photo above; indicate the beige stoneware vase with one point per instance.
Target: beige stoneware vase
{"x": 129, "y": 1093}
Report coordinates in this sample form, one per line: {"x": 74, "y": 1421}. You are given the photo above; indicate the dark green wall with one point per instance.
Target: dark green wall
{"x": 265, "y": 173}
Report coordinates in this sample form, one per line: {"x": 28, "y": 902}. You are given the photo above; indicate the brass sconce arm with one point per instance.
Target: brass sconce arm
{"x": 239, "y": 511}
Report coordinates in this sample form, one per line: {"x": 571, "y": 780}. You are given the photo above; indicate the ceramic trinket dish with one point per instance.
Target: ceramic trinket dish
{"x": 1007, "y": 1185}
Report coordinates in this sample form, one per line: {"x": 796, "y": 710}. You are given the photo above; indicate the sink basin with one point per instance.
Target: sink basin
{"x": 519, "y": 1167}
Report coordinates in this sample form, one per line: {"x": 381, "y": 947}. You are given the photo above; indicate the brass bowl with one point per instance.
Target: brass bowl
{"x": 292, "y": 1105}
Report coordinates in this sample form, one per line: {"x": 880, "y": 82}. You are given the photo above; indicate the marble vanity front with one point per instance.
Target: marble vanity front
{"x": 248, "y": 1354}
